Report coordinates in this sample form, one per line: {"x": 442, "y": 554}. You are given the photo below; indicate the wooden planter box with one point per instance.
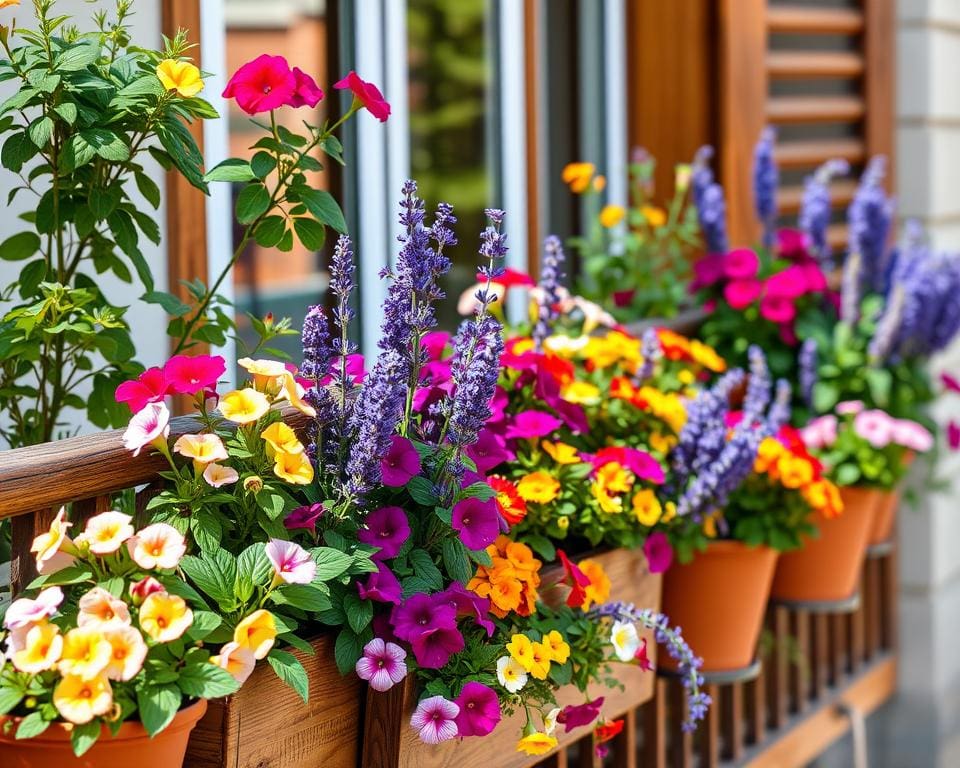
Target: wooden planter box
{"x": 266, "y": 724}
{"x": 390, "y": 742}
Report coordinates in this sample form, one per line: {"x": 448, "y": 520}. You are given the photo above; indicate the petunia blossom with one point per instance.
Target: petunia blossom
{"x": 305, "y": 517}
{"x": 386, "y": 528}
{"x": 911, "y": 435}
{"x": 741, "y": 264}
{"x": 149, "y": 426}
{"x": 262, "y": 85}
{"x": 292, "y": 564}
{"x": 306, "y": 92}
{"x": 479, "y": 710}
{"x": 641, "y": 657}
{"x": 98, "y": 607}
{"x": 149, "y": 387}
{"x": 382, "y": 664}
{"x": 576, "y": 715}
{"x": 489, "y": 451}
{"x": 476, "y": 521}
{"x": 430, "y": 626}
{"x": 24, "y": 612}
{"x": 848, "y": 407}
{"x": 400, "y": 464}
{"x": 217, "y": 475}
{"x": 435, "y": 720}
{"x": 575, "y": 578}
{"x": 236, "y": 659}
{"x": 777, "y": 309}
{"x": 190, "y": 374}
{"x": 367, "y": 94}
{"x": 740, "y": 294}
{"x": 467, "y": 603}
{"x": 658, "y": 552}
{"x": 381, "y": 586}
{"x": 532, "y": 424}
{"x": 874, "y": 426}
{"x": 159, "y": 545}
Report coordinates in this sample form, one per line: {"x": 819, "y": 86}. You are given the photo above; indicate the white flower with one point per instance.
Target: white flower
{"x": 625, "y": 640}
{"x": 510, "y": 674}
{"x": 550, "y": 721}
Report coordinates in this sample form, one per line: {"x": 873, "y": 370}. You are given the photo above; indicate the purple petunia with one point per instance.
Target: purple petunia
{"x": 381, "y": 586}
{"x": 400, "y": 463}
{"x": 489, "y": 451}
{"x": 430, "y": 626}
{"x": 479, "y": 710}
{"x": 467, "y": 603}
{"x": 382, "y": 664}
{"x": 658, "y": 551}
{"x": 476, "y": 522}
{"x": 532, "y": 424}
{"x": 304, "y": 517}
{"x": 386, "y": 528}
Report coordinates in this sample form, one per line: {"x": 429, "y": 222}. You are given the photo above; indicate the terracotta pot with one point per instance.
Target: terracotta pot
{"x": 131, "y": 747}
{"x": 885, "y": 517}
{"x": 828, "y": 567}
{"x": 719, "y": 599}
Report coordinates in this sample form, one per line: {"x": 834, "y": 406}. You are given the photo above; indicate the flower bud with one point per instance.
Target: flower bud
{"x": 144, "y": 588}
{"x": 253, "y": 484}
{"x": 563, "y": 522}
{"x": 682, "y": 178}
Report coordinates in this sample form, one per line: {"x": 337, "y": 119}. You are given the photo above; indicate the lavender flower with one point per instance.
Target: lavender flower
{"x": 651, "y": 351}
{"x": 315, "y": 337}
{"x": 713, "y": 219}
{"x": 869, "y": 218}
{"x": 766, "y": 179}
{"x": 701, "y": 175}
{"x": 885, "y": 334}
{"x": 815, "y": 209}
{"x": 779, "y": 413}
{"x": 550, "y": 276}
{"x": 671, "y": 638}
{"x": 807, "y": 361}
{"x": 758, "y": 386}
{"x": 850, "y": 289}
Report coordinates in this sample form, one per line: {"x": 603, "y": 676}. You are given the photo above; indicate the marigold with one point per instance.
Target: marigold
{"x": 561, "y": 452}
{"x": 647, "y": 507}
{"x": 578, "y": 176}
{"x": 611, "y": 215}
{"x": 538, "y": 488}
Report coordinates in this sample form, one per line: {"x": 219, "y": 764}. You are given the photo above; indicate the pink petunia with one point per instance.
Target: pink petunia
{"x": 306, "y": 93}
{"x": 381, "y": 586}
{"x": 874, "y": 426}
{"x": 740, "y": 294}
{"x": 707, "y": 271}
{"x": 189, "y": 374}
{"x": 149, "y": 387}
{"x": 813, "y": 274}
{"x": 530, "y": 425}
{"x": 793, "y": 244}
{"x": 25, "y": 612}
{"x": 643, "y": 661}
{"x": 950, "y": 383}
{"x": 953, "y": 435}
{"x": 149, "y": 425}
{"x": 791, "y": 283}
{"x": 383, "y": 664}
{"x": 820, "y": 433}
{"x": 479, "y": 710}
{"x": 435, "y": 720}
{"x": 366, "y": 94}
{"x": 489, "y": 451}
{"x": 576, "y": 715}
{"x": 911, "y": 435}
{"x": 435, "y": 343}
{"x": 849, "y": 407}
{"x": 292, "y": 564}
{"x": 741, "y": 264}
{"x": 658, "y": 551}
{"x": 262, "y": 85}
{"x": 400, "y": 464}
{"x": 777, "y": 309}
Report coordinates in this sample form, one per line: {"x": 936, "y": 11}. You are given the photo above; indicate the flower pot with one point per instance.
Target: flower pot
{"x": 885, "y": 517}
{"x": 827, "y": 568}
{"x": 132, "y": 746}
{"x": 718, "y": 599}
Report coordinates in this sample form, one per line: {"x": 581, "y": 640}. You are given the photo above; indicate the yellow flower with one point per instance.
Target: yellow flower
{"x": 180, "y": 76}
{"x": 655, "y": 217}
{"x": 611, "y": 215}
{"x": 563, "y": 522}
{"x": 79, "y": 700}
{"x": 666, "y": 406}
{"x": 98, "y": 607}
{"x": 238, "y": 661}
{"x": 707, "y": 356}
{"x": 565, "y": 346}
{"x": 540, "y": 661}
{"x": 86, "y": 653}
{"x": 647, "y": 508}
{"x": 266, "y": 374}
{"x": 561, "y": 452}
{"x": 578, "y": 176}
{"x": 598, "y": 590}
{"x": 682, "y": 174}
{"x": 8, "y": 3}
{"x": 768, "y": 456}
{"x": 581, "y": 392}
{"x": 669, "y": 512}
{"x": 536, "y": 743}
{"x": 295, "y": 468}
{"x": 521, "y": 651}
{"x": 611, "y": 504}
{"x": 41, "y": 649}
{"x": 127, "y": 652}
{"x": 106, "y": 532}
{"x": 559, "y": 650}
{"x": 294, "y": 395}
{"x": 686, "y": 377}
{"x": 256, "y": 632}
{"x": 244, "y": 406}
{"x": 600, "y": 183}
{"x": 538, "y": 488}
{"x": 615, "y": 477}
{"x": 662, "y": 443}
{"x": 203, "y": 449}
{"x": 51, "y": 547}
{"x": 281, "y": 438}
{"x": 794, "y": 471}
{"x": 165, "y": 617}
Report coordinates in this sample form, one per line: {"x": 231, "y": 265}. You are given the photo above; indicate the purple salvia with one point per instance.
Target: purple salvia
{"x": 850, "y": 289}
{"x": 779, "y": 413}
{"x": 650, "y": 351}
{"x": 701, "y": 175}
{"x": 315, "y": 338}
{"x": 815, "y": 209}
{"x": 713, "y": 220}
{"x": 550, "y": 276}
{"x": 868, "y": 218}
{"x": 884, "y": 336}
{"x": 807, "y": 362}
{"x": 757, "y": 398}
{"x": 766, "y": 179}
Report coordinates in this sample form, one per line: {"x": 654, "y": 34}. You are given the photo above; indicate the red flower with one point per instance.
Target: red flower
{"x": 307, "y": 93}
{"x": 367, "y": 94}
{"x": 150, "y": 387}
{"x": 511, "y": 506}
{"x": 262, "y": 85}
{"x": 643, "y": 661}
{"x": 606, "y": 731}
{"x": 510, "y": 278}
{"x": 577, "y": 580}
{"x": 573, "y": 716}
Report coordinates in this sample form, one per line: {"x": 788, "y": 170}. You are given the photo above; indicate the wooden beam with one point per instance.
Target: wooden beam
{"x": 804, "y": 19}
{"x": 879, "y": 80}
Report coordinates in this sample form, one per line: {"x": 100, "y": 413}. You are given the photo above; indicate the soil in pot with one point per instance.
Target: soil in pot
{"x": 718, "y": 599}
{"x": 132, "y": 747}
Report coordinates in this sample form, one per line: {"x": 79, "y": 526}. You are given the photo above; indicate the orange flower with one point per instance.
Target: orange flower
{"x": 622, "y": 388}
{"x": 510, "y": 581}
{"x": 508, "y": 499}
{"x": 655, "y": 217}
{"x": 768, "y": 455}
{"x": 611, "y": 215}
{"x": 538, "y": 488}
{"x": 561, "y": 452}
{"x": 578, "y": 176}
{"x": 794, "y": 471}
{"x": 598, "y": 590}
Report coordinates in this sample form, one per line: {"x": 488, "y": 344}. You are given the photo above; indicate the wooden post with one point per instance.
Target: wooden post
{"x": 383, "y": 719}
{"x": 879, "y": 37}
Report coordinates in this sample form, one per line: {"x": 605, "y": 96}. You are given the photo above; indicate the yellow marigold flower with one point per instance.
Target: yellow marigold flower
{"x": 266, "y": 374}
{"x": 536, "y": 743}
{"x": 707, "y": 356}
{"x": 238, "y": 661}
{"x": 127, "y": 654}
{"x": 86, "y": 653}
{"x": 559, "y": 649}
{"x": 600, "y": 183}
{"x": 540, "y": 661}
{"x": 165, "y": 617}
{"x": 581, "y": 392}
{"x": 647, "y": 508}
{"x": 8, "y": 3}
{"x": 281, "y": 438}
{"x": 794, "y": 471}
{"x": 655, "y": 217}
{"x": 79, "y": 700}
{"x": 768, "y": 455}
{"x": 598, "y": 590}
{"x": 202, "y": 449}
{"x": 257, "y": 632}
{"x": 520, "y": 649}
{"x": 52, "y": 547}
{"x": 106, "y": 532}
{"x": 538, "y": 488}
{"x": 295, "y": 468}
{"x": 180, "y": 76}
{"x": 611, "y": 215}
{"x": 41, "y": 649}
{"x": 561, "y": 452}
{"x": 578, "y": 175}
{"x": 244, "y": 406}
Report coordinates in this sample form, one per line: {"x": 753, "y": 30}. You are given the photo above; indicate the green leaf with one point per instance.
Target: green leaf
{"x": 481, "y": 490}
{"x": 346, "y": 651}
{"x": 31, "y": 276}
{"x": 303, "y": 596}
{"x": 270, "y": 231}
{"x": 426, "y": 569}
{"x": 72, "y": 574}
{"x": 40, "y": 131}
{"x": 17, "y": 150}
{"x": 330, "y": 563}
{"x": 9, "y": 698}
{"x": 77, "y": 57}
{"x": 847, "y": 474}
{"x": 215, "y": 574}
{"x": 291, "y": 672}
{"x": 421, "y": 489}
{"x": 263, "y": 164}
{"x": 207, "y": 681}
{"x": 359, "y": 612}
{"x": 170, "y": 303}
{"x": 542, "y": 546}
{"x": 158, "y": 705}
{"x": 19, "y": 247}
{"x": 182, "y": 151}
{"x": 204, "y": 622}
{"x": 455, "y": 560}
{"x": 32, "y": 725}
{"x": 252, "y": 202}
{"x": 148, "y": 188}
{"x": 233, "y": 169}
{"x": 310, "y": 233}
{"x": 106, "y": 144}
{"x": 68, "y": 111}
{"x": 82, "y": 737}
{"x": 324, "y": 207}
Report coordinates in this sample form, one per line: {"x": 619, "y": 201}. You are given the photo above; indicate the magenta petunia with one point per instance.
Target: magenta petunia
{"x": 793, "y": 244}
{"x": 190, "y": 374}
{"x": 262, "y": 85}
{"x": 777, "y": 309}
{"x": 707, "y": 271}
{"x": 658, "y": 551}
{"x": 532, "y": 424}
{"x": 149, "y": 387}
{"x": 575, "y": 716}
{"x": 641, "y": 463}
{"x": 306, "y": 93}
{"x": 623, "y": 299}
{"x": 641, "y": 657}
{"x": 467, "y": 603}
{"x": 435, "y": 720}
{"x": 400, "y": 464}
{"x": 476, "y": 521}
{"x": 386, "y": 528}
{"x": 814, "y": 277}
{"x": 498, "y": 405}
{"x": 741, "y": 264}
{"x": 367, "y": 94}
{"x": 381, "y": 586}
{"x": 479, "y": 710}
{"x": 950, "y": 383}
{"x": 383, "y": 664}
{"x": 430, "y": 626}
{"x": 304, "y": 517}
{"x": 435, "y": 343}
{"x": 740, "y": 294}
{"x": 791, "y": 283}
{"x": 953, "y": 435}
{"x": 489, "y": 451}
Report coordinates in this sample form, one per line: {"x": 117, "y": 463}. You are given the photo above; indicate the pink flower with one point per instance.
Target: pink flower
{"x": 623, "y": 298}
{"x": 658, "y": 551}
{"x": 874, "y": 426}
{"x": 791, "y": 283}
{"x": 189, "y": 374}
{"x": 950, "y": 382}
{"x": 262, "y": 85}
{"x": 820, "y": 433}
{"x": 150, "y": 387}
{"x": 740, "y": 294}
{"x": 792, "y": 244}
{"x": 292, "y": 564}
{"x": 489, "y": 451}
{"x": 849, "y": 407}
{"x": 643, "y": 661}
{"x": 367, "y": 94}
{"x": 24, "y": 612}
{"x": 400, "y": 464}
{"x": 157, "y": 546}
{"x": 435, "y": 343}
{"x": 479, "y": 710}
{"x": 144, "y": 588}
{"x": 911, "y": 435}
{"x": 641, "y": 463}
{"x": 382, "y": 664}
{"x": 435, "y": 720}
{"x": 217, "y": 475}
{"x": 815, "y": 279}
{"x": 574, "y": 716}
{"x": 304, "y": 517}
{"x": 148, "y": 426}
{"x": 532, "y": 424}
{"x": 707, "y": 271}
{"x": 741, "y": 264}
{"x": 953, "y": 435}
{"x": 777, "y": 309}
{"x": 386, "y": 528}
{"x": 381, "y": 586}
{"x": 476, "y": 521}
{"x": 307, "y": 93}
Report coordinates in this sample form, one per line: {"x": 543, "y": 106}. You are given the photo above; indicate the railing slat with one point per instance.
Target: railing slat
{"x": 799, "y": 667}
{"x": 731, "y": 714}
{"x": 655, "y": 728}
{"x": 625, "y": 745}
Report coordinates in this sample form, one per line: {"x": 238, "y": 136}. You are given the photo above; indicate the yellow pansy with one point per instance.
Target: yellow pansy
{"x": 655, "y": 217}
{"x": 647, "y": 508}
{"x": 794, "y": 471}
{"x": 295, "y": 468}
{"x": 581, "y": 392}
{"x": 257, "y": 632}
{"x": 538, "y": 488}
{"x": 165, "y": 617}
{"x": 520, "y": 649}
{"x": 611, "y": 215}
{"x": 79, "y": 701}
{"x": 180, "y": 76}
{"x": 41, "y": 650}
{"x": 613, "y": 476}
{"x": 86, "y": 653}
{"x": 244, "y": 406}
{"x": 561, "y": 452}
{"x": 578, "y": 176}
{"x": 281, "y": 438}
{"x": 540, "y": 661}
{"x": 536, "y": 743}
{"x": 559, "y": 649}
